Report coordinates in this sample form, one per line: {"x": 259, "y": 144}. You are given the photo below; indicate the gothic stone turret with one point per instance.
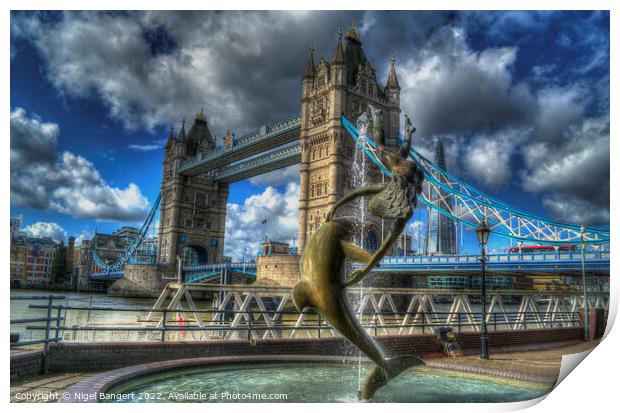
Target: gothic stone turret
{"x": 193, "y": 208}
{"x": 347, "y": 85}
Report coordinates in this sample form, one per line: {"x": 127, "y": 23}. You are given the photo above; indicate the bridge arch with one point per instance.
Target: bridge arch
{"x": 195, "y": 254}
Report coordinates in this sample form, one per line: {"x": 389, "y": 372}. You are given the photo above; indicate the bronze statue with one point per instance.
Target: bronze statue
{"x": 323, "y": 284}
{"x": 393, "y": 200}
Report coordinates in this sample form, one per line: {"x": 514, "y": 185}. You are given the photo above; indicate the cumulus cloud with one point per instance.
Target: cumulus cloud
{"x": 42, "y": 178}
{"x": 47, "y": 229}
{"x": 84, "y": 235}
{"x": 572, "y": 173}
{"x": 449, "y": 88}
{"x": 488, "y": 158}
{"x": 244, "y": 68}
{"x": 244, "y": 227}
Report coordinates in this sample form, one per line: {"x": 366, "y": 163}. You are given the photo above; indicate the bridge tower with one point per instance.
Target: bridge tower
{"x": 346, "y": 85}
{"x": 193, "y": 209}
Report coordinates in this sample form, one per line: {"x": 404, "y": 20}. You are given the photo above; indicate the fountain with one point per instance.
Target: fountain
{"x": 319, "y": 383}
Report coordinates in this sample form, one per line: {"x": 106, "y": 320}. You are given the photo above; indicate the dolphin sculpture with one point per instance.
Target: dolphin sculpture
{"x": 323, "y": 283}
{"x": 323, "y": 288}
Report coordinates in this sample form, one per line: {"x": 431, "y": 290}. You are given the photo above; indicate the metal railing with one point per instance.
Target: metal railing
{"x": 48, "y": 327}
{"x": 214, "y": 324}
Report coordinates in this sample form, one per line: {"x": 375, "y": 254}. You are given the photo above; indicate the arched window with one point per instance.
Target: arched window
{"x": 320, "y": 152}
{"x": 201, "y": 199}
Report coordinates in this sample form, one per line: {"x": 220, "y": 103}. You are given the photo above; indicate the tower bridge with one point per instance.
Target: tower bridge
{"x": 196, "y": 174}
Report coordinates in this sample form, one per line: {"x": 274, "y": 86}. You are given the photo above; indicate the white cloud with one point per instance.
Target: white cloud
{"x": 153, "y": 146}
{"x": 231, "y": 63}
{"x": 84, "y": 235}
{"x": 488, "y": 158}
{"x": 43, "y": 179}
{"x": 243, "y": 221}
{"x": 47, "y": 229}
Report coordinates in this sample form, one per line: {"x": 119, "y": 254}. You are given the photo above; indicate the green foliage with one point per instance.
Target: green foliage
{"x": 59, "y": 264}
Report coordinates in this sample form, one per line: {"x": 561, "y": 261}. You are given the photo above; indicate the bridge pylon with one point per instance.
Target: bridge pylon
{"x": 193, "y": 208}
{"x": 346, "y": 85}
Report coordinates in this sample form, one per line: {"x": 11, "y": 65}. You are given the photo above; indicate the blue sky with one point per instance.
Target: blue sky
{"x": 521, "y": 100}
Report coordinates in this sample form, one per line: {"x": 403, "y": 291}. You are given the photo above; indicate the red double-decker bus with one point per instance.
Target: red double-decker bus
{"x": 541, "y": 248}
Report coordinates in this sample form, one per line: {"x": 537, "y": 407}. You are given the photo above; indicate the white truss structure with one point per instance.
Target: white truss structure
{"x": 268, "y": 312}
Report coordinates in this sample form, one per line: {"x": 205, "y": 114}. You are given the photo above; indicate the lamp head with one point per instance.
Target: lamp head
{"x": 482, "y": 233}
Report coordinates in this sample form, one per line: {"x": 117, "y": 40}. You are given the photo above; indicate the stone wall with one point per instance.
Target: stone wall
{"x": 277, "y": 270}
{"x": 68, "y": 357}
{"x": 141, "y": 280}
{"x": 26, "y": 365}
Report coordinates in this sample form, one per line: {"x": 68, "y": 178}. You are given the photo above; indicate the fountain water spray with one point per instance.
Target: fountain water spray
{"x": 358, "y": 180}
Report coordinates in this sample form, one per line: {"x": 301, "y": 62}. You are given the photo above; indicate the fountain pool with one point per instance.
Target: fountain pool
{"x": 308, "y": 382}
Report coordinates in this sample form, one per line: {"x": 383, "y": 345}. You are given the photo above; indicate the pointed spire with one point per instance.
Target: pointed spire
{"x": 170, "y": 136}
{"x": 338, "y": 57}
{"x": 352, "y": 33}
{"x": 201, "y": 116}
{"x": 392, "y": 82}
{"x": 182, "y": 136}
{"x": 309, "y": 74}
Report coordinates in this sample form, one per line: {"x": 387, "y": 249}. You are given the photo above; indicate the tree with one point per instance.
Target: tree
{"x": 59, "y": 264}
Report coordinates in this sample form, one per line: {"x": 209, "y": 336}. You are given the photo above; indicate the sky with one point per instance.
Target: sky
{"x": 520, "y": 100}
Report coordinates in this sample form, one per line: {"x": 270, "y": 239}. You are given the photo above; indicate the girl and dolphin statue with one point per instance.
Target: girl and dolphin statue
{"x": 323, "y": 283}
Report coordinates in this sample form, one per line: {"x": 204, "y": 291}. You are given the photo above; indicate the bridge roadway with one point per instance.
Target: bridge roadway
{"x": 262, "y": 140}
{"x": 535, "y": 264}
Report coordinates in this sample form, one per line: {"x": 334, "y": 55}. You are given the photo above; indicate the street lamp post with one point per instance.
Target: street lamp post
{"x": 482, "y": 233}
{"x": 586, "y": 329}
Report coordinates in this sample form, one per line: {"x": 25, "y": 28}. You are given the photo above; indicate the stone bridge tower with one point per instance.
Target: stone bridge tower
{"x": 345, "y": 85}
{"x": 193, "y": 209}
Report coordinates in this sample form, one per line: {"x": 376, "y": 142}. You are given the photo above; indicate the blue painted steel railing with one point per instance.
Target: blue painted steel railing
{"x": 260, "y": 135}
{"x": 128, "y": 254}
{"x": 200, "y": 276}
{"x": 521, "y": 262}
{"x": 196, "y": 273}
{"x": 469, "y": 206}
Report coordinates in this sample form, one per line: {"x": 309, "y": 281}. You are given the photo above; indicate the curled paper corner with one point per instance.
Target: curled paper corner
{"x": 569, "y": 362}
{"x": 522, "y": 405}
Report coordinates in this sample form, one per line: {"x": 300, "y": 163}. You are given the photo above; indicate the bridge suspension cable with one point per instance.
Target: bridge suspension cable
{"x": 468, "y": 205}
{"x": 127, "y": 255}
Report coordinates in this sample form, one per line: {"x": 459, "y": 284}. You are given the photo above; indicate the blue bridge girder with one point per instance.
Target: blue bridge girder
{"x": 511, "y": 264}
{"x": 264, "y": 139}
{"x": 106, "y": 276}
{"x": 205, "y": 273}
{"x": 276, "y": 145}
{"x": 469, "y": 206}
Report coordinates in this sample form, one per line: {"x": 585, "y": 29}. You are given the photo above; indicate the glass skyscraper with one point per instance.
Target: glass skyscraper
{"x": 441, "y": 230}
